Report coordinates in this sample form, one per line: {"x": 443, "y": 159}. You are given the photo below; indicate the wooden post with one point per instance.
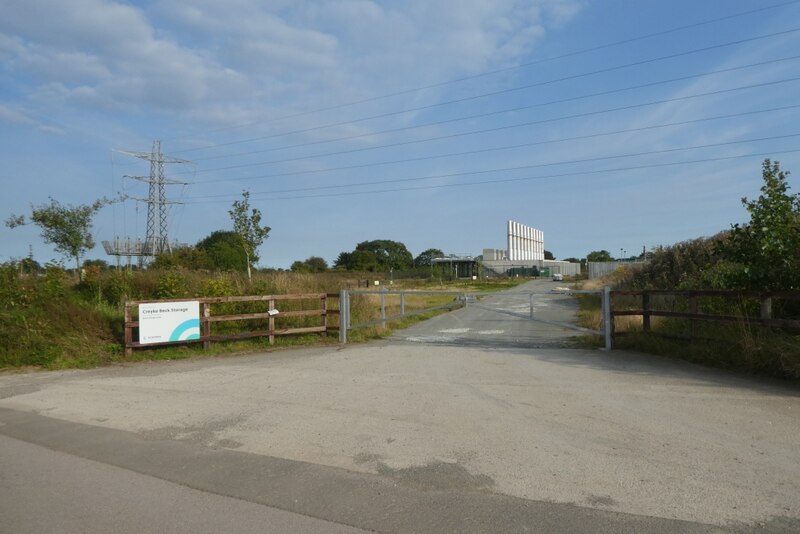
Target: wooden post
{"x": 128, "y": 330}
{"x": 206, "y": 325}
{"x": 325, "y": 314}
{"x": 692, "y": 321}
{"x": 402, "y": 304}
{"x": 766, "y": 308}
{"x": 271, "y": 323}
{"x": 645, "y": 311}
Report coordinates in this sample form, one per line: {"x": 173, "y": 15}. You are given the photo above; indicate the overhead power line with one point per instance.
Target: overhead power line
{"x": 597, "y": 158}
{"x": 506, "y": 69}
{"x": 536, "y": 143}
{"x": 474, "y": 132}
{"x": 523, "y": 179}
{"x": 511, "y": 89}
{"x": 501, "y": 111}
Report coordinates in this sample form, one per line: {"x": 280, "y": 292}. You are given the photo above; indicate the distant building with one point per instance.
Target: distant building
{"x": 524, "y": 255}
{"x": 458, "y": 266}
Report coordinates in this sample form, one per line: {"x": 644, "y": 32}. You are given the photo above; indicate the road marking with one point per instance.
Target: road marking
{"x": 491, "y": 332}
{"x": 431, "y": 339}
{"x": 455, "y": 331}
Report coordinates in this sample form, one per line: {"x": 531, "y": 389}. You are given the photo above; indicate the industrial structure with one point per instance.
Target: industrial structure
{"x": 524, "y": 242}
{"x": 524, "y": 255}
{"x": 157, "y": 236}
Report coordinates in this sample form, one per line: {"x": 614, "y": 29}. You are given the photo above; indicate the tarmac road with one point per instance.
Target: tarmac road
{"x": 402, "y": 436}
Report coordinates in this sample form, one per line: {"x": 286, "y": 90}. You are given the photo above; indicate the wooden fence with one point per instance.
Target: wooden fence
{"x": 269, "y": 318}
{"x": 693, "y": 314}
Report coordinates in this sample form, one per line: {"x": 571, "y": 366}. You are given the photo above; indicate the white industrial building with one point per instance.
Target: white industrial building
{"x": 525, "y": 251}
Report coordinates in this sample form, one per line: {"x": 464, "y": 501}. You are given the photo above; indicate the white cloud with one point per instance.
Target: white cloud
{"x": 14, "y": 116}
{"x": 11, "y": 115}
{"x": 204, "y": 58}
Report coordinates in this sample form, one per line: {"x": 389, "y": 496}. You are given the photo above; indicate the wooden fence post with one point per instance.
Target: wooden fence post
{"x": 692, "y": 321}
{"x": 766, "y": 307}
{"x": 206, "y": 325}
{"x": 645, "y": 311}
{"x": 324, "y": 299}
{"x": 271, "y": 323}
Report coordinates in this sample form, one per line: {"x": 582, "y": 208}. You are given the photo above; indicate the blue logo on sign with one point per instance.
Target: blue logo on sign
{"x": 186, "y": 330}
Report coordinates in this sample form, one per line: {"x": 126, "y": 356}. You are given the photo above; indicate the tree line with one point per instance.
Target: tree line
{"x": 761, "y": 254}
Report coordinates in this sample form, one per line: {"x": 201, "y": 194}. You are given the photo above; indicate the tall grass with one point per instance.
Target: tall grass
{"x": 741, "y": 345}
{"x": 49, "y": 321}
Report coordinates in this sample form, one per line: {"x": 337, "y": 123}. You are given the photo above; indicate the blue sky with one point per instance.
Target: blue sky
{"x": 607, "y": 124}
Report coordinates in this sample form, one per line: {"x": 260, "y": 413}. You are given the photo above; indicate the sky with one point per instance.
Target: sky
{"x": 614, "y": 124}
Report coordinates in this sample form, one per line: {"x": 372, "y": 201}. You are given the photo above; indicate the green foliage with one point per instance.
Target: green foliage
{"x": 30, "y": 266}
{"x": 221, "y": 251}
{"x": 42, "y": 321}
{"x": 768, "y": 247}
{"x": 119, "y": 287}
{"x": 247, "y": 225}
{"x": 548, "y": 255}
{"x": 358, "y": 260}
{"x": 425, "y": 257}
{"x": 12, "y": 291}
{"x": 172, "y": 285}
{"x": 599, "y": 256}
{"x": 66, "y": 227}
{"x": 314, "y": 264}
{"x": 379, "y": 255}
{"x": 187, "y": 258}
{"x": 218, "y": 286}
{"x": 693, "y": 264}
{"x": 101, "y": 265}
{"x": 762, "y": 255}
{"x": 55, "y": 281}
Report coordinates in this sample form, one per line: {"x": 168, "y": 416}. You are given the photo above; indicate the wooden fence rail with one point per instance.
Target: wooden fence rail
{"x": 765, "y": 299}
{"x": 207, "y": 318}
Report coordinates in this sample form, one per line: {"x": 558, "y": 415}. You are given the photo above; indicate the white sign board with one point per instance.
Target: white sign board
{"x": 162, "y": 322}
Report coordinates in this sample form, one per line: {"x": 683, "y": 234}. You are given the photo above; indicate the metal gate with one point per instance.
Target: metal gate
{"x": 393, "y": 306}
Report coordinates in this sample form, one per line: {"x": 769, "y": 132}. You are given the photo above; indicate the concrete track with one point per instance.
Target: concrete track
{"x": 402, "y": 436}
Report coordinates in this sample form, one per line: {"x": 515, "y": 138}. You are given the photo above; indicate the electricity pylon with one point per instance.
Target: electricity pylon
{"x": 157, "y": 235}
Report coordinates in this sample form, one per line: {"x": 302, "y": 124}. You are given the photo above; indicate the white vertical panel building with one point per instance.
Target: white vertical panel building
{"x": 524, "y": 242}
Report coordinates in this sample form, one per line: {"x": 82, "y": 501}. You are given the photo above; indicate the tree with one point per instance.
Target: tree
{"x": 768, "y": 247}
{"x": 599, "y": 256}
{"x": 219, "y": 251}
{"x": 425, "y": 257}
{"x": 388, "y": 254}
{"x": 374, "y": 256}
{"x": 343, "y": 261}
{"x": 317, "y": 264}
{"x": 101, "y": 265}
{"x": 187, "y": 257}
{"x": 67, "y": 227}
{"x": 299, "y": 267}
{"x": 363, "y": 260}
{"x": 548, "y": 255}
{"x": 314, "y": 264}
{"x": 247, "y": 224}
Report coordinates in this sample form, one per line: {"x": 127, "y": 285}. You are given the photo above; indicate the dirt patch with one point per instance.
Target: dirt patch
{"x": 436, "y": 476}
